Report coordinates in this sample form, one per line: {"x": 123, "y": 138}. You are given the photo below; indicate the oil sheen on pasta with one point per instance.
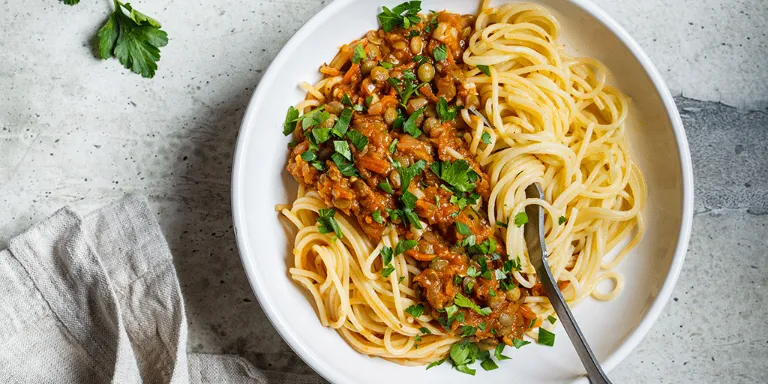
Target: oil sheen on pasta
{"x": 386, "y": 149}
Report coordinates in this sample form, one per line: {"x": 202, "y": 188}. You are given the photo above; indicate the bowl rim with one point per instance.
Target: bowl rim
{"x": 331, "y": 373}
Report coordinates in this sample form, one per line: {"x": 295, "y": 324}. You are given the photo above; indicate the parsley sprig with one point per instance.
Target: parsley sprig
{"x": 403, "y": 15}
{"x": 132, "y": 37}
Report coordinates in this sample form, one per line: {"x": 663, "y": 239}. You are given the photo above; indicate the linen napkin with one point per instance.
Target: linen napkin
{"x": 97, "y": 300}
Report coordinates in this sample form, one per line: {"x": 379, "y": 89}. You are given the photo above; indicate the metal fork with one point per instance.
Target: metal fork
{"x": 537, "y": 252}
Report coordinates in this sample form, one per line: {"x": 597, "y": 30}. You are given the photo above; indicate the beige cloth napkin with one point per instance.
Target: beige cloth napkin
{"x": 96, "y": 300}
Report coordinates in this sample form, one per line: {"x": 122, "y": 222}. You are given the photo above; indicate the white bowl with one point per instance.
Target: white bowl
{"x": 612, "y": 328}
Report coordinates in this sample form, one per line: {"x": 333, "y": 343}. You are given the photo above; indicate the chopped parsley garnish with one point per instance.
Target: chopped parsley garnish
{"x": 486, "y": 138}
{"x": 404, "y": 245}
{"x": 462, "y": 301}
{"x": 482, "y": 326}
{"x": 484, "y": 69}
{"x": 308, "y": 156}
{"x": 489, "y": 365}
{"x": 551, "y": 319}
{"x": 321, "y": 135}
{"x": 347, "y": 168}
{"x": 520, "y": 219}
{"x": 408, "y": 173}
{"x": 432, "y": 22}
{"x": 326, "y": 223}
{"x": 468, "y": 330}
{"x": 346, "y": 100}
{"x": 387, "y": 270}
{"x": 436, "y": 363}
{"x": 314, "y": 117}
{"x": 425, "y": 331}
{"x": 342, "y": 124}
{"x": 546, "y": 337}
{"x": 497, "y": 352}
{"x": 409, "y": 200}
{"x": 393, "y": 146}
{"x": 415, "y": 310}
{"x": 410, "y": 125}
{"x": 368, "y": 100}
{"x": 500, "y": 224}
{"x": 444, "y": 112}
{"x": 358, "y": 139}
{"x": 318, "y": 165}
{"x": 419, "y": 59}
{"x": 463, "y": 228}
{"x": 458, "y": 174}
{"x": 533, "y": 322}
{"x": 134, "y": 38}
{"x": 451, "y": 310}
{"x": 386, "y": 260}
{"x": 519, "y": 343}
{"x": 487, "y": 247}
{"x": 386, "y": 65}
{"x": 386, "y": 187}
{"x": 409, "y": 86}
{"x": 342, "y": 147}
{"x": 402, "y": 15}
{"x": 290, "y": 120}
{"x": 376, "y": 216}
{"x": 359, "y": 54}
{"x": 561, "y": 220}
{"x": 472, "y": 271}
{"x": 440, "y": 53}
{"x": 414, "y": 33}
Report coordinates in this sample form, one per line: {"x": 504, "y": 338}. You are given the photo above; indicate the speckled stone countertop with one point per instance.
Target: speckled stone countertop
{"x": 82, "y": 132}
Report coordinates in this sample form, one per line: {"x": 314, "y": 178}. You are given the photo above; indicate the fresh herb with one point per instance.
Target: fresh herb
{"x": 500, "y": 224}
{"x": 489, "y": 365}
{"x": 551, "y": 319}
{"x": 486, "y": 138}
{"x": 508, "y": 286}
{"x": 520, "y": 219}
{"x": 472, "y": 271}
{"x": 368, "y": 100}
{"x": 519, "y": 343}
{"x": 70, "y": 2}
{"x": 468, "y": 241}
{"x": 444, "y": 112}
{"x": 491, "y": 292}
{"x": 482, "y": 326}
{"x": 346, "y": 100}
{"x": 405, "y": 88}
{"x": 432, "y": 24}
{"x": 386, "y": 255}
{"x": 400, "y": 279}
{"x": 314, "y": 117}
{"x": 484, "y": 69}
{"x": 318, "y": 165}
{"x": 468, "y": 330}
{"x": 436, "y": 363}
{"x": 326, "y": 223}
{"x": 497, "y": 352}
{"x": 458, "y": 174}
{"x": 462, "y": 354}
{"x": 308, "y": 156}
{"x": 463, "y": 228}
{"x": 358, "y": 139}
{"x": 410, "y": 125}
{"x": 357, "y": 108}
{"x": 404, "y": 245}
{"x": 451, "y": 310}
{"x": 487, "y": 247}
{"x": 386, "y": 65}
{"x": 414, "y": 33}
{"x": 290, "y": 121}
{"x": 386, "y": 187}
{"x": 342, "y": 147}
{"x": 359, "y": 54}
{"x": 561, "y": 220}
{"x": 347, "y": 168}
{"x": 440, "y": 53}
{"x": 342, "y": 124}
{"x": 462, "y": 301}
{"x": 408, "y": 173}
{"x": 409, "y": 200}
{"x": 387, "y": 271}
{"x": 402, "y": 15}
{"x": 546, "y": 337}
{"x": 376, "y": 216}
{"x": 393, "y": 146}
{"x": 134, "y": 38}
{"x": 419, "y": 59}
{"x": 415, "y": 310}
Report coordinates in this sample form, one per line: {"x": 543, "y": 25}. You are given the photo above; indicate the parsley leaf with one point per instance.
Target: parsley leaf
{"x": 561, "y": 220}
{"x": 519, "y": 343}
{"x": 134, "y": 38}
{"x": 346, "y": 168}
{"x": 358, "y": 139}
{"x": 308, "y": 156}
{"x": 520, "y": 219}
{"x": 402, "y": 15}
{"x": 70, "y": 2}
{"x": 486, "y": 138}
{"x": 546, "y": 337}
{"x": 386, "y": 187}
{"x": 498, "y": 350}
{"x": 346, "y": 100}
{"x": 436, "y": 363}
{"x": 321, "y": 135}
{"x": 393, "y": 146}
{"x": 409, "y": 200}
{"x": 342, "y": 147}
{"x": 440, "y": 53}
{"x": 468, "y": 330}
{"x": 410, "y": 125}
{"x": 500, "y": 224}
{"x": 419, "y": 59}
{"x": 464, "y": 369}
{"x": 386, "y": 255}
{"x": 415, "y": 310}
{"x": 489, "y": 365}
{"x": 290, "y": 121}
{"x": 458, "y": 174}
{"x": 472, "y": 271}
{"x": 314, "y": 117}
{"x": 359, "y": 54}
{"x": 404, "y": 245}
{"x": 408, "y": 173}
{"x": 376, "y": 216}
{"x": 387, "y": 270}
{"x": 484, "y": 69}
{"x": 342, "y": 124}
{"x": 443, "y": 111}
{"x": 326, "y": 223}
{"x": 451, "y": 310}
{"x": 386, "y": 65}
{"x": 462, "y": 301}
{"x": 463, "y": 228}
{"x": 551, "y": 319}
{"x": 425, "y": 331}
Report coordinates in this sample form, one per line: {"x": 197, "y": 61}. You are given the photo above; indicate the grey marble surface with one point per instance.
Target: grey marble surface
{"x": 82, "y": 132}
